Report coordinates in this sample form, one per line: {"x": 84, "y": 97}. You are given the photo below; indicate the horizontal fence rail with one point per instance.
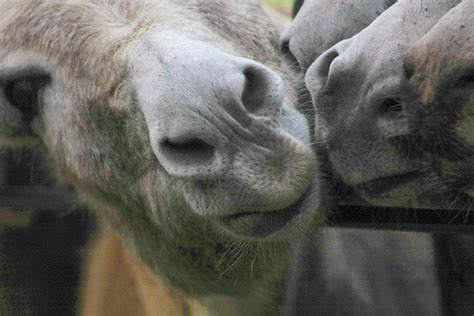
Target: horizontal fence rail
{"x": 31, "y": 198}
{"x": 344, "y": 216}
{"x": 402, "y": 219}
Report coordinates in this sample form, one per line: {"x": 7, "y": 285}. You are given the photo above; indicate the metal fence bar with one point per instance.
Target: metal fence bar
{"x": 344, "y": 216}
{"x": 417, "y": 220}
{"x": 37, "y": 198}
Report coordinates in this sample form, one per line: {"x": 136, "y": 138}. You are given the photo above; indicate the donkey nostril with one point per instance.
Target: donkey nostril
{"x": 256, "y": 96}
{"x": 288, "y": 56}
{"x": 326, "y": 63}
{"x": 187, "y": 152}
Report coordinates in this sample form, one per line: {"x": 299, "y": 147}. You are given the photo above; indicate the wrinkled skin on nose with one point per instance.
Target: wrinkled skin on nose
{"x": 223, "y": 124}
{"x": 200, "y": 86}
{"x": 319, "y": 24}
{"x": 439, "y": 95}
{"x": 355, "y": 89}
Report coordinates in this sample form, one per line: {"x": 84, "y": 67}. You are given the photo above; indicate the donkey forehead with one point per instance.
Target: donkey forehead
{"x": 87, "y": 38}
{"x": 387, "y": 33}
{"x": 79, "y": 25}
{"x": 81, "y": 22}
{"x": 81, "y": 36}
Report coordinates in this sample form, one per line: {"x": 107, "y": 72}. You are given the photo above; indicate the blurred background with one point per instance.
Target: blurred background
{"x": 284, "y": 6}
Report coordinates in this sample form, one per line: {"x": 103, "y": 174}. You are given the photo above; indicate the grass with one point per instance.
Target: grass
{"x": 281, "y": 5}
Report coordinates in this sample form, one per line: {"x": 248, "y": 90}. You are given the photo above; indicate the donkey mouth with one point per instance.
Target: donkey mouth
{"x": 264, "y": 224}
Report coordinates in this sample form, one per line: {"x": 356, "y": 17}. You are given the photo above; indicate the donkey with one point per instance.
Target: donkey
{"x": 319, "y": 24}
{"x": 177, "y": 124}
{"x": 355, "y": 89}
{"x": 439, "y": 94}
{"x": 382, "y": 264}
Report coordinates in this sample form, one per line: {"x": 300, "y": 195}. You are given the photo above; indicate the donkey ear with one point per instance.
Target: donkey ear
{"x": 20, "y": 108}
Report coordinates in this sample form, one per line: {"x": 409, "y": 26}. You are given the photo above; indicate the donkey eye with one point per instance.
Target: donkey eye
{"x": 23, "y": 93}
{"x": 466, "y": 79}
{"x": 391, "y": 105}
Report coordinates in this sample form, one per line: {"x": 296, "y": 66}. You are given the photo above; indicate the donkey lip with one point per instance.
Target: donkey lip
{"x": 263, "y": 224}
{"x": 384, "y": 184}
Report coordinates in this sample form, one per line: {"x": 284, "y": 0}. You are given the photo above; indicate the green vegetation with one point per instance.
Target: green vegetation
{"x": 280, "y": 2}
{"x": 281, "y": 5}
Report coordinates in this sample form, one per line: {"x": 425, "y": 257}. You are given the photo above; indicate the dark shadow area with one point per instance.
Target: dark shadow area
{"x": 40, "y": 264}
{"x": 41, "y": 251}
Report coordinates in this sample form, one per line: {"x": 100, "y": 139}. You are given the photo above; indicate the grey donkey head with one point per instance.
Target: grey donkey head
{"x": 174, "y": 119}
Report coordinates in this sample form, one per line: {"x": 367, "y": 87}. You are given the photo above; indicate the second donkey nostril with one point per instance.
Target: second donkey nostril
{"x": 326, "y": 62}
{"x": 262, "y": 93}
{"x": 320, "y": 74}
{"x": 186, "y": 152}
{"x": 288, "y": 55}
{"x": 253, "y": 96}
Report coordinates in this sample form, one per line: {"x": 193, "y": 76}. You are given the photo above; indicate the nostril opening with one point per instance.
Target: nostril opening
{"x": 326, "y": 63}
{"x": 391, "y": 106}
{"x": 288, "y": 56}
{"x": 189, "y": 152}
{"x": 255, "y": 90}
